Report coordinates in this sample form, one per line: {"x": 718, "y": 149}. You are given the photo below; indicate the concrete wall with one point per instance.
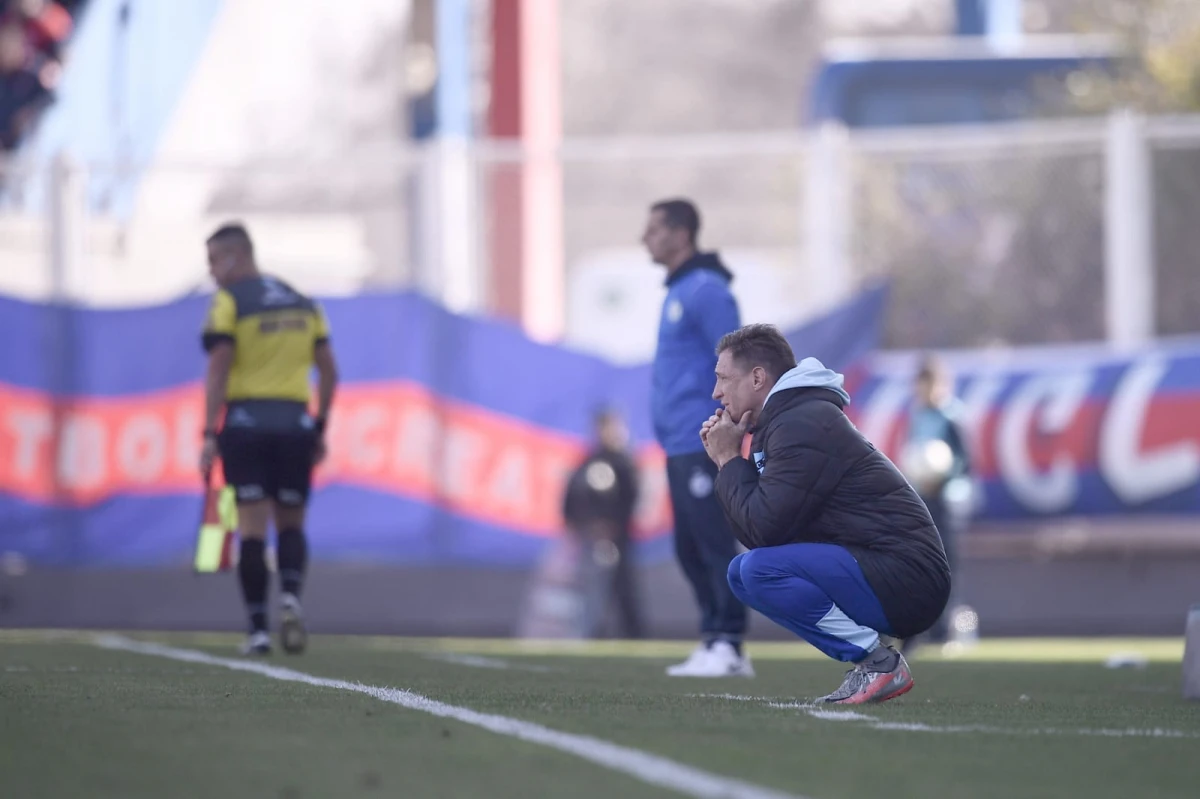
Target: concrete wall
{"x": 1098, "y": 594}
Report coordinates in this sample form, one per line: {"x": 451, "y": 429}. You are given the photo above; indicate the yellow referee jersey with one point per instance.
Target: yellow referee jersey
{"x": 274, "y": 330}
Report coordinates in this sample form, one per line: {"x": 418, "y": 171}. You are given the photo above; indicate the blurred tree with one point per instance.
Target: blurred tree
{"x": 1005, "y": 248}
{"x": 1010, "y": 249}
{"x": 1162, "y": 74}
{"x": 1161, "y": 77}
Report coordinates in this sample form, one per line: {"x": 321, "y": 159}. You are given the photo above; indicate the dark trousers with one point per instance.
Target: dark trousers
{"x": 624, "y": 586}
{"x": 947, "y": 527}
{"x": 619, "y": 591}
{"x": 705, "y": 545}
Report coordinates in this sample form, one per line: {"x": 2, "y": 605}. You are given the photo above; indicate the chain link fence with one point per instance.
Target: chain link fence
{"x": 1175, "y": 164}
{"x": 988, "y": 240}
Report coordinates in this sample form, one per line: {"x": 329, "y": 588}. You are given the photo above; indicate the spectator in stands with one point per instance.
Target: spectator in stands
{"x": 22, "y": 92}
{"x": 45, "y": 23}
{"x": 598, "y": 508}
{"x": 32, "y": 36}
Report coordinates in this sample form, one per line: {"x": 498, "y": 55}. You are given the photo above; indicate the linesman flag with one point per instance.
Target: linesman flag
{"x": 218, "y": 527}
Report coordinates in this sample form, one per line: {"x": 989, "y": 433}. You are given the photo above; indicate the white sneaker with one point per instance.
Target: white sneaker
{"x": 718, "y": 660}
{"x": 292, "y": 634}
{"x": 693, "y": 661}
{"x": 744, "y": 667}
{"x": 735, "y": 665}
{"x": 258, "y": 643}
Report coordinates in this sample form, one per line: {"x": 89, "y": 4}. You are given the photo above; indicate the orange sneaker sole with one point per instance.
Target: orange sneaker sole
{"x": 857, "y": 700}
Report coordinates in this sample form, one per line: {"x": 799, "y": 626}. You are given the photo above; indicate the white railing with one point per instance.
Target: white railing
{"x": 806, "y": 214}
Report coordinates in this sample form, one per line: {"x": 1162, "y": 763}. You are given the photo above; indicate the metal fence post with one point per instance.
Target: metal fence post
{"x": 543, "y": 283}
{"x": 58, "y": 227}
{"x": 60, "y": 340}
{"x": 454, "y": 265}
{"x": 1128, "y": 229}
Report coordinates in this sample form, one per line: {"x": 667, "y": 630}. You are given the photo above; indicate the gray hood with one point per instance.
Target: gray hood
{"x": 810, "y": 373}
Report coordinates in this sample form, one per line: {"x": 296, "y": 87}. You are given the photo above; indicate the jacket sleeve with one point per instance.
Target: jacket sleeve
{"x": 954, "y": 439}
{"x": 774, "y": 507}
{"x": 629, "y": 473}
{"x": 570, "y": 504}
{"x": 714, "y": 311}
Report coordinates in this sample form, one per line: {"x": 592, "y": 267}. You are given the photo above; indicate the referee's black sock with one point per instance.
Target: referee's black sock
{"x": 252, "y": 572}
{"x": 293, "y": 558}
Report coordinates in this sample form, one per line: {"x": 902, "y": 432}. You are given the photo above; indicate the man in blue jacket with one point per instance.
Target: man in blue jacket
{"x": 699, "y": 309}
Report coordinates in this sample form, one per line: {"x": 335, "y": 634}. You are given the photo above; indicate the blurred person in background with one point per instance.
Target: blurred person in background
{"x": 26, "y": 82}
{"x": 46, "y": 25}
{"x": 263, "y": 339}
{"x": 936, "y": 463}
{"x": 33, "y": 35}
{"x": 598, "y": 507}
{"x": 698, "y": 310}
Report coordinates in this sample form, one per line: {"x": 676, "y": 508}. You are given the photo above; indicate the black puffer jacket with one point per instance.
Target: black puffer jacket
{"x": 819, "y": 480}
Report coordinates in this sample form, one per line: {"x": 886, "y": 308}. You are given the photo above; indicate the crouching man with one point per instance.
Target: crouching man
{"x": 842, "y": 549}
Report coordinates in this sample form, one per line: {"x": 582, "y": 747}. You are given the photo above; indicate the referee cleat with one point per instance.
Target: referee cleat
{"x": 257, "y": 643}
{"x": 864, "y": 685}
{"x": 292, "y": 635}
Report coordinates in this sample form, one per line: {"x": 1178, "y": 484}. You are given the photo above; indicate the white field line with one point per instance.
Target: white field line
{"x": 818, "y": 712}
{"x": 480, "y": 662}
{"x": 640, "y": 765}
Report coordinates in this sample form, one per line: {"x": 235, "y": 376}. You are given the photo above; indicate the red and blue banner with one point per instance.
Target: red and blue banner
{"x": 1067, "y": 431}
{"x": 450, "y": 442}
{"x": 452, "y": 437}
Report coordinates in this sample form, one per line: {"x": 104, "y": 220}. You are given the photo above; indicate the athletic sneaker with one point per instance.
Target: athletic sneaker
{"x": 257, "y": 643}
{"x": 718, "y": 659}
{"x": 292, "y": 635}
{"x": 863, "y": 685}
{"x": 680, "y": 669}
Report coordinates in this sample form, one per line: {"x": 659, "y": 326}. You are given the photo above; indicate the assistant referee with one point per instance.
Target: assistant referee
{"x": 263, "y": 338}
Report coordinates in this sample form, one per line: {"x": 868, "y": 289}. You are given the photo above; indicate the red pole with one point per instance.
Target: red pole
{"x": 505, "y": 216}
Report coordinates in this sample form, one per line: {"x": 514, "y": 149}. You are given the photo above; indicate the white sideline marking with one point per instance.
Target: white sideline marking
{"x": 641, "y": 765}
{"x": 480, "y": 662}
{"x": 817, "y": 712}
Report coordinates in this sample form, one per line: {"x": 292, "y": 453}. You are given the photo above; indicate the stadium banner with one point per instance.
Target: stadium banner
{"x": 453, "y": 436}
{"x": 450, "y": 442}
{"x": 1062, "y": 431}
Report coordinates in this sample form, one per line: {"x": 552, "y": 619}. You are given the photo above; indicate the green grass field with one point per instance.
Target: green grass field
{"x": 498, "y": 719}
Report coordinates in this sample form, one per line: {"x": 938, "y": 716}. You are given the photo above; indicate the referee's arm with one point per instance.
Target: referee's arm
{"x": 220, "y": 331}
{"x": 327, "y": 377}
{"x": 216, "y": 381}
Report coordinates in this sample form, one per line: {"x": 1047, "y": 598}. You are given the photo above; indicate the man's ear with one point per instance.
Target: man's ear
{"x": 760, "y": 377}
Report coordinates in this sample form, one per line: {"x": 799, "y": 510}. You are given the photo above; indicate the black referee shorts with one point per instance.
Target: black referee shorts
{"x": 262, "y": 464}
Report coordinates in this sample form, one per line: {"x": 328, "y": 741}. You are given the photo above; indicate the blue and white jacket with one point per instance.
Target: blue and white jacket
{"x": 699, "y": 309}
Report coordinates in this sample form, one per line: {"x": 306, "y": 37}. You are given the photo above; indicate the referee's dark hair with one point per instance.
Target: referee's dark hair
{"x": 233, "y": 231}
{"x": 759, "y": 345}
{"x": 679, "y": 213}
